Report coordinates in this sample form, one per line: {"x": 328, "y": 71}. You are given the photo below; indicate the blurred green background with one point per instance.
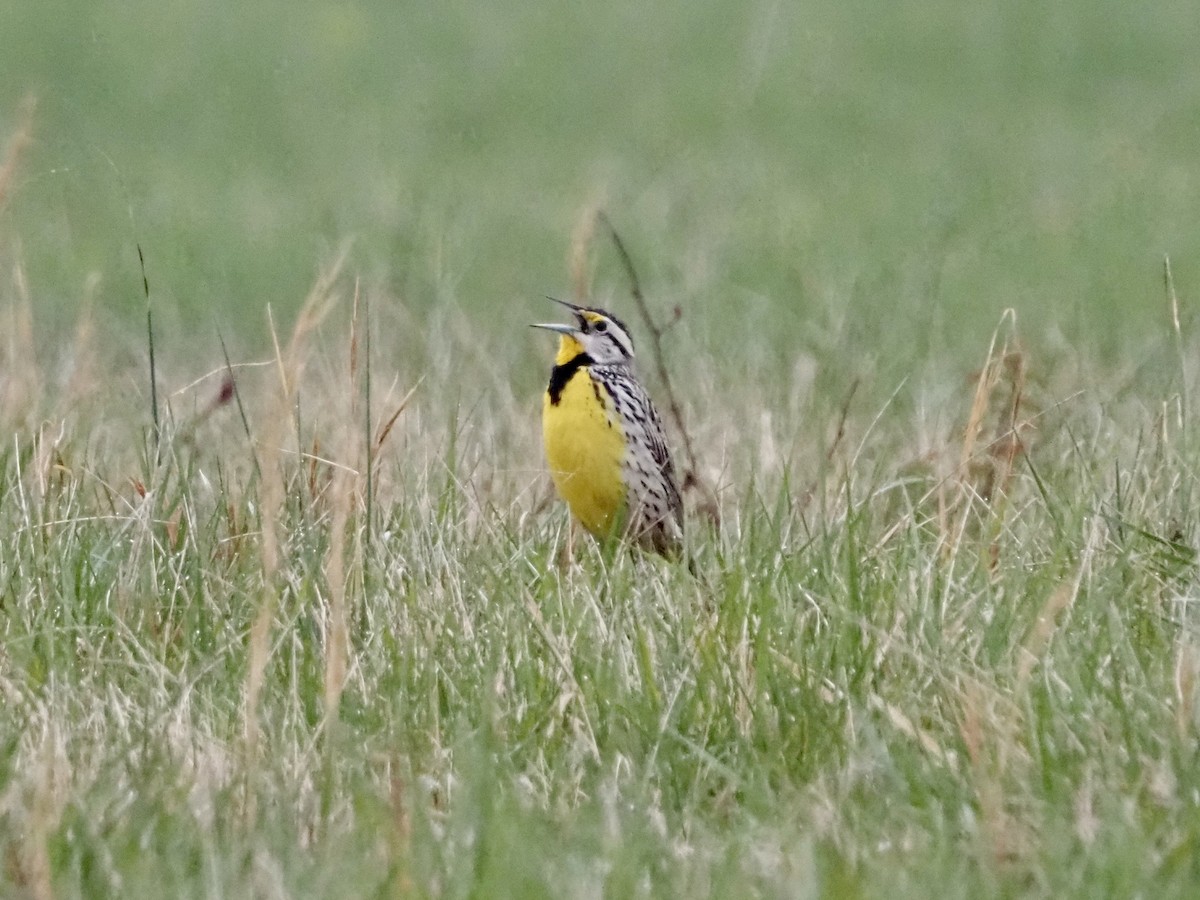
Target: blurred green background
{"x": 835, "y": 177}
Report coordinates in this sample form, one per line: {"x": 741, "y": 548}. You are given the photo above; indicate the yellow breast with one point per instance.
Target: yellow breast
{"x": 585, "y": 447}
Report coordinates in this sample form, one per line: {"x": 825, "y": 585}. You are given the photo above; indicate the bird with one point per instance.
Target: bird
{"x": 604, "y": 439}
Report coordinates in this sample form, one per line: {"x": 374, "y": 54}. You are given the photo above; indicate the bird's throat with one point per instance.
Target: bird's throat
{"x": 568, "y": 348}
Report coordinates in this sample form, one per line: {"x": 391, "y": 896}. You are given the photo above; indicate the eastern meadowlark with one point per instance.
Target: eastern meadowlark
{"x": 604, "y": 439}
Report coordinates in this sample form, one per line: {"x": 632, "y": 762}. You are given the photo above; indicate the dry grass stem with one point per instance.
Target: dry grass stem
{"x": 579, "y": 255}
{"x": 1177, "y": 331}
{"x": 17, "y": 145}
{"x": 988, "y": 744}
{"x": 337, "y": 630}
{"x": 834, "y": 445}
{"x": 271, "y": 494}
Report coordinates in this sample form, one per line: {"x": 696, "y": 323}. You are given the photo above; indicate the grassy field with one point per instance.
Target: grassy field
{"x": 297, "y": 622}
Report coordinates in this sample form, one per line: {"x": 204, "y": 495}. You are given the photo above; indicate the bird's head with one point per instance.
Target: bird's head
{"x": 599, "y": 334}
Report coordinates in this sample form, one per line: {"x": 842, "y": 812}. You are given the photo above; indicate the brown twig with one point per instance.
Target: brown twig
{"x": 691, "y": 476}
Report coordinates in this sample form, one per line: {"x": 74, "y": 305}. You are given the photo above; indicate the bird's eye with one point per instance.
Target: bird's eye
{"x": 602, "y": 326}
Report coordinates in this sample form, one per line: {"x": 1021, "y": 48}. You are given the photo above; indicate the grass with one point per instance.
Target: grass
{"x": 307, "y": 632}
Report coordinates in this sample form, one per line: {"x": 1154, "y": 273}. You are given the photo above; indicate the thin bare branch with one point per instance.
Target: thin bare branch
{"x": 691, "y": 475}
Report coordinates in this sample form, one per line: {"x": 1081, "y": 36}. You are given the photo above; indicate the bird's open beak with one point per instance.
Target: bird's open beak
{"x": 555, "y": 326}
